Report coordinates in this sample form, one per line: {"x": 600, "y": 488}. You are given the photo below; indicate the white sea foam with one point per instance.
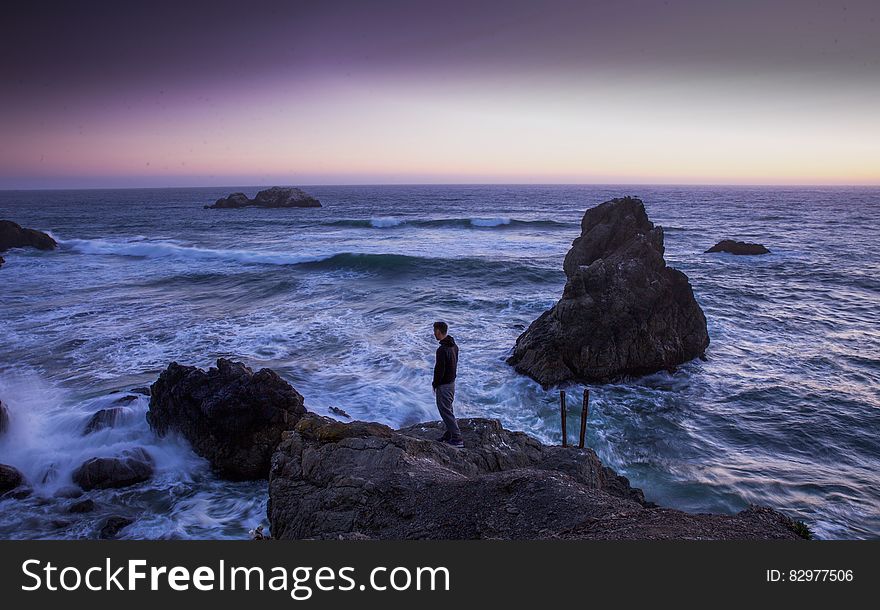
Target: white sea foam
{"x": 490, "y": 222}
{"x": 164, "y": 249}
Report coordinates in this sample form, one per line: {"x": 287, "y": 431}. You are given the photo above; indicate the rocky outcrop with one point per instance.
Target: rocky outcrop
{"x": 10, "y": 478}
{"x": 2, "y": 260}
{"x": 275, "y": 197}
{"x": 738, "y": 247}
{"x": 623, "y": 310}
{"x": 13, "y": 235}
{"x": 230, "y": 415}
{"x": 132, "y": 467}
{"x": 4, "y": 418}
{"x": 331, "y": 479}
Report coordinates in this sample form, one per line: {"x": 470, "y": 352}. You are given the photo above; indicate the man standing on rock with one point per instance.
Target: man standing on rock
{"x": 444, "y": 383}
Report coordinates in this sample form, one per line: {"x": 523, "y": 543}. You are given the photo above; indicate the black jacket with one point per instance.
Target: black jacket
{"x": 447, "y": 362}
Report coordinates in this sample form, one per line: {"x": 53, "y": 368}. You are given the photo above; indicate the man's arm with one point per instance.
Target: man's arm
{"x": 439, "y": 368}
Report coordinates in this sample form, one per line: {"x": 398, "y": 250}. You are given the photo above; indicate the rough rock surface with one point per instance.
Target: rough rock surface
{"x": 13, "y": 235}
{"x": 2, "y": 260}
{"x": 230, "y": 415}
{"x": 622, "y": 312}
{"x": 10, "y": 478}
{"x": 358, "y": 480}
{"x": 738, "y": 247}
{"x": 132, "y": 467}
{"x": 4, "y": 418}
{"x": 275, "y": 197}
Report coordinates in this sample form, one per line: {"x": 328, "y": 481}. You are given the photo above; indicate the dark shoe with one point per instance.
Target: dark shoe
{"x": 444, "y": 438}
{"x": 459, "y": 444}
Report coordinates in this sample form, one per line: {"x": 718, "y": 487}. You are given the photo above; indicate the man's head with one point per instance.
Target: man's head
{"x": 440, "y": 330}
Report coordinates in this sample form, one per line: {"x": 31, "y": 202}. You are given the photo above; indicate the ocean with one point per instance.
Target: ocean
{"x": 340, "y": 301}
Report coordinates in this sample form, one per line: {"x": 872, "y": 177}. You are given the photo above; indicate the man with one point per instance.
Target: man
{"x": 445, "y": 369}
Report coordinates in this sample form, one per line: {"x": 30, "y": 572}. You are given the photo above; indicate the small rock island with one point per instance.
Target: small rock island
{"x": 13, "y": 235}
{"x": 275, "y": 197}
{"x": 738, "y": 247}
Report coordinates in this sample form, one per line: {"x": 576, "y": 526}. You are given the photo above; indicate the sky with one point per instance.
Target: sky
{"x": 217, "y": 93}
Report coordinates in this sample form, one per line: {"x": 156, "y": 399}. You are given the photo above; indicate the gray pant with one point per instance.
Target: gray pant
{"x": 445, "y": 396}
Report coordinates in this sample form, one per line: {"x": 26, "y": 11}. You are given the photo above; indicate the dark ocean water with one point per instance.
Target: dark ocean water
{"x": 340, "y": 300}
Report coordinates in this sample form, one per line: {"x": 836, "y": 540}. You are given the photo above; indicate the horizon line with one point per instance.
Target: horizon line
{"x": 390, "y": 184}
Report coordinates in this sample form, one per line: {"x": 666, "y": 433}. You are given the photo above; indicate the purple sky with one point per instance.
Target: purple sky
{"x": 192, "y": 93}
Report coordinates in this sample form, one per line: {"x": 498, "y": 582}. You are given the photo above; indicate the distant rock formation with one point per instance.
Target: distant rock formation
{"x": 738, "y": 247}
{"x": 13, "y": 235}
{"x": 232, "y": 416}
{"x": 622, "y": 312}
{"x": 132, "y": 467}
{"x": 362, "y": 480}
{"x": 275, "y": 197}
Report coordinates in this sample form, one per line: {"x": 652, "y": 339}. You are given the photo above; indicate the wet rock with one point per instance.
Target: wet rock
{"x": 10, "y": 478}
{"x": 4, "y": 418}
{"x": 106, "y": 418}
{"x": 144, "y": 391}
{"x": 623, "y": 310}
{"x": 364, "y": 480}
{"x": 2, "y": 260}
{"x": 132, "y": 467}
{"x": 83, "y": 506}
{"x": 738, "y": 247}
{"x": 124, "y": 400}
{"x": 111, "y": 526}
{"x": 339, "y": 412}
{"x": 232, "y": 416}
{"x": 275, "y": 197}
{"x": 13, "y": 235}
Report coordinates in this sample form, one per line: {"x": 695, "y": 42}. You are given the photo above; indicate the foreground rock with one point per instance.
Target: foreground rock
{"x": 332, "y": 479}
{"x": 10, "y": 478}
{"x": 232, "y": 416}
{"x": 622, "y": 312}
{"x": 13, "y": 235}
{"x": 275, "y": 197}
{"x": 738, "y": 247}
{"x": 132, "y": 467}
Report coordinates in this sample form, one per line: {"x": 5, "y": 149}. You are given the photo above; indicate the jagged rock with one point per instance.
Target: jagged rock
{"x": 4, "y": 418}
{"x": 132, "y": 467}
{"x": 360, "y": 480}
{"x": 622, "y": 312}
{"x": 111, "y": 526}
{"x": 2, "y": 260}
{"x": 10, "y": 478}
{"x": 275, "y": 197}
{"x": 13, "y": 235}
{"x": 339, "y": 412}
{"x": 231, "y": 415}
{"x": 106, "y": 418}
{"x": 738, "y": 247}
{"x": 144, "y": 391}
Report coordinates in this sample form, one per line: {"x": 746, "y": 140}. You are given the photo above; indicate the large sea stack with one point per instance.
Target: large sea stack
{"x": 623, "y": 310}
{"x": 275, "y": 197}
